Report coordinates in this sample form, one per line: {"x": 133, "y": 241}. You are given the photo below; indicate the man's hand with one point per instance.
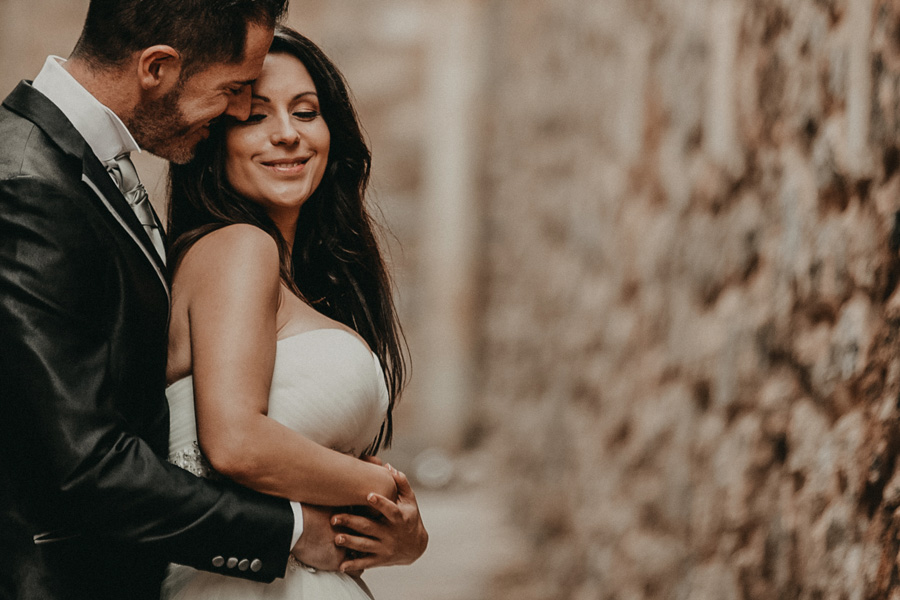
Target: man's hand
{"x": 396, "y": 537}
{"x": 316, "y": 547}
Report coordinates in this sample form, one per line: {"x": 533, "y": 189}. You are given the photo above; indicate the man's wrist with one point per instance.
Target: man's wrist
{"x": 297, "y": 508}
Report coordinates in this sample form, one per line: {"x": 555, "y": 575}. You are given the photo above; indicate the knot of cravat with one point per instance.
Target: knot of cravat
{"x": 125, "y": 175}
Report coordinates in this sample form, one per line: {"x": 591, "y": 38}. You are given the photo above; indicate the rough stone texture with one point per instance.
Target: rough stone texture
{"x": 692, "y": 314}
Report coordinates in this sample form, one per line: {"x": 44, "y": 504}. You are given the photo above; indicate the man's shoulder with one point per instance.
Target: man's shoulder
{"x": 15, "y": 136}
{"x": 26, "y": 151}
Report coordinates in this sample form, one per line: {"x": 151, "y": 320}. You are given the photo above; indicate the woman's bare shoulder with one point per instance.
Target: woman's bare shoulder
{"x": 235, "y": 240}
{"x": 232, "y": 246}
{"x": 234, "y": 254}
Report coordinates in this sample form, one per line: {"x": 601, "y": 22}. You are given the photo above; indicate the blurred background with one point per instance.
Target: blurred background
{"x": 646, "y": 255}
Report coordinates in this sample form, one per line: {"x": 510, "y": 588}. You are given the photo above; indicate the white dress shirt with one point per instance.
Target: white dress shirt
{"x": 100, "y": 127}
{"x": 108, "y": 137}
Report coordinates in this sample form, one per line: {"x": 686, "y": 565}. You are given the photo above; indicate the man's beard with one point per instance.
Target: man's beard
{"x": 159, "y": 127}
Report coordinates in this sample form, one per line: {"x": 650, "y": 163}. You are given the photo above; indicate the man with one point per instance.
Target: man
{"x": 88, "y": 506}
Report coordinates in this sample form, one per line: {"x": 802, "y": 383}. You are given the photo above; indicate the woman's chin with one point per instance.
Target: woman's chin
{"x": 282, "y": 201}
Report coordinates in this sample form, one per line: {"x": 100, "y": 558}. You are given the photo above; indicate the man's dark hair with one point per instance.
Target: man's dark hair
{"x": 202, "y": 31}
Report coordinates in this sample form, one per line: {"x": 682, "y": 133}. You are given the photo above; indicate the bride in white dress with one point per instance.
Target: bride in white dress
{"x": 285, "y": 354}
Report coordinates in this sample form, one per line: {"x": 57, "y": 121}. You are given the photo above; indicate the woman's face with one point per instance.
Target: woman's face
{"x": 277, "y": 157}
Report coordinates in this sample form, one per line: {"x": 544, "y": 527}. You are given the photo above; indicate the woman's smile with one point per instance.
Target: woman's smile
{"x": 277, "y": 157}
{"x": 285, "y": 166}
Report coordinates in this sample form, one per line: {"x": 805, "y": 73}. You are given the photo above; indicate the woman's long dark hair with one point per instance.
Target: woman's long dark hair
{"x": 336, "y": 264}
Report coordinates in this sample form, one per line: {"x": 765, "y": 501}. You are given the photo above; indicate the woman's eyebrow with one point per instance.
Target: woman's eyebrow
{"x": 294, "y": 99}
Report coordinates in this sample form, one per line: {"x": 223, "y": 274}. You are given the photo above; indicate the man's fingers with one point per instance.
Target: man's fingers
{"x": 403, "y": 488}
{"x": 387, "y": 508}
{"x": 316, "y": 544}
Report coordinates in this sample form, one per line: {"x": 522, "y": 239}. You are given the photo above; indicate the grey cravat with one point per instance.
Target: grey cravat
{"x": 125, "y": 175}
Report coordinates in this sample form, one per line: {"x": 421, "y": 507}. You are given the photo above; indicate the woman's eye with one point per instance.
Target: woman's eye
{"x": 255, "y": 118}
{"x": 306, "y": 115}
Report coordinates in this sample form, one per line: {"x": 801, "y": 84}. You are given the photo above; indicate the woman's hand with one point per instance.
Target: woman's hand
{"x": 396, "y": 536}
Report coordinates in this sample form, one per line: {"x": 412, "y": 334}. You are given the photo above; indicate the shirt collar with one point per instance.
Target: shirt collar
{"x": 100, "y": 127}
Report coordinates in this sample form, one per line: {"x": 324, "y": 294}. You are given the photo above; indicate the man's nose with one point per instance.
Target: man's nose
{"x": 239, "y": 104}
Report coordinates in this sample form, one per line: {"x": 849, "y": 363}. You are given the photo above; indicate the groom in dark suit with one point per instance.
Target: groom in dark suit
{"x": 89, "y": 508}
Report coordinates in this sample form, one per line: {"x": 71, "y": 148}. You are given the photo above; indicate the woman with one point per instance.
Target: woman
{"x": 284, "y": 340}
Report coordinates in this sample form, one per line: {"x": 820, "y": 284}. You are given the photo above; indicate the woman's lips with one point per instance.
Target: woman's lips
{"x": 285, "y": 165}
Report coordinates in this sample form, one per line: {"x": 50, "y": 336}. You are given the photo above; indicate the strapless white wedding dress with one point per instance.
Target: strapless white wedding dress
{"x": 326, "y": 385}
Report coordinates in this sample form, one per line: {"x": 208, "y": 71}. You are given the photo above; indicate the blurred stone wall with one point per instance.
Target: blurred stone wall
{"x": 415, "y": 69}
{"x": 690, "y": 359}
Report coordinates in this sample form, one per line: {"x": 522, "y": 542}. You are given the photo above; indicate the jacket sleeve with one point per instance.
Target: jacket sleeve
{"x": 75, "y": 463}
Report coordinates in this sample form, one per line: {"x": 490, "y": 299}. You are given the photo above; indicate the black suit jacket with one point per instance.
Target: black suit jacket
{"x": 89, "y": 508}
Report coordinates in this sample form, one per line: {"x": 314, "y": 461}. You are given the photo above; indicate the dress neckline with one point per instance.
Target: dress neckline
{"x": 320, "y": 329}
{"x": 294, "y": 336}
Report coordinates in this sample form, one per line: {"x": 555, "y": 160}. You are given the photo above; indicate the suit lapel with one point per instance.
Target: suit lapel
{"x": 34, "y": 106}
{"x": 96, "y": 178}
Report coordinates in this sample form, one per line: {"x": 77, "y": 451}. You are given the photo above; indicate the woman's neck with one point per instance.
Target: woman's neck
{"x": 287, "y": 226}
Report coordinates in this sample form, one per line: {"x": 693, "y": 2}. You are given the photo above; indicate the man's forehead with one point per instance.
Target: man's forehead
{"x": 243, "y": 72}
{"x": 259, "y": 39}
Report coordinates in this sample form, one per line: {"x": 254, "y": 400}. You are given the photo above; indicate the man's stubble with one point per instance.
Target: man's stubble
{"x": 159, "y": 127}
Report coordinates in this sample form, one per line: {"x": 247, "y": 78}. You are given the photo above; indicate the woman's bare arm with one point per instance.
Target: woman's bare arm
{"x": 232, "y": 286}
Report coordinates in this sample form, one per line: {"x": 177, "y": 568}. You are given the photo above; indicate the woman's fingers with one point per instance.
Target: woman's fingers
{"x": 398, "y": 538}
{"x": 357, "y": 523}
{"x": 362, "y": 553}
{"x": 358, "y": 543}
{"x": 358, "y": 565}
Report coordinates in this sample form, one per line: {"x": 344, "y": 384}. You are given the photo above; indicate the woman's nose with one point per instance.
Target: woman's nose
{"x": 284, "y": 131}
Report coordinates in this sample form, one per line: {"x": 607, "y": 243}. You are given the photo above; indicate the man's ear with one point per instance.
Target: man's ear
{"x": 159, "y": 68}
